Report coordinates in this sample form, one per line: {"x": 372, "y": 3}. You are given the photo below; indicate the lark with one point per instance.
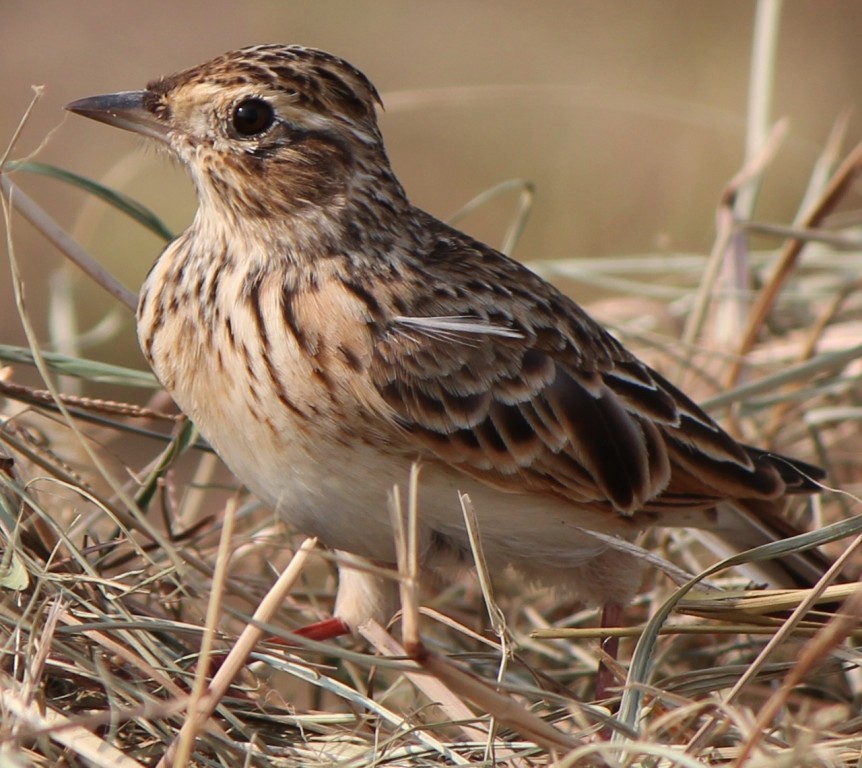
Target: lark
{"x": 324, "y": 334}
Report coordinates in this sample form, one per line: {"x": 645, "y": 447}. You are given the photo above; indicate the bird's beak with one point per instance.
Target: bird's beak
{"x": 126, "y": 110}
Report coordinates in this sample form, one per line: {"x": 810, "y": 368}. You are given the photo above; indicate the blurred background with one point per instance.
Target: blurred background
{"x": 627, "y": 117}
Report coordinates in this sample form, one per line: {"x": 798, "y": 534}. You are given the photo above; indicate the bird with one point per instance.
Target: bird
{"x": 325, "y": 335}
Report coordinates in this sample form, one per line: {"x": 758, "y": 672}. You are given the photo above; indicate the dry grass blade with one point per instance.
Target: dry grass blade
{"x": 454, "y": 707}
{"x": 82, "y": 404}
{"x": 819, "y": 648}
{"x": 726, "y": 226}
{"x": 835, "y": 190}
{"x": 780, "y": 636}
{"x": 77, "y": 739}
{"x": 58, "y": 237}
{"x": 503, "y": 708}
{"x": 526, "y": 195}
{"x": 758, "y": 602}
{"x": 236, "y": 658}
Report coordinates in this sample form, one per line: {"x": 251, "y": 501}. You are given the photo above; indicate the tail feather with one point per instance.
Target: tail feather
{"x": 798, "y": 476}
{"x": 741, "y": 526}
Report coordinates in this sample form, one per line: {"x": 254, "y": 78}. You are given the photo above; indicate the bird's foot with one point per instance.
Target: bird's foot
{"x": 324, "y": 630}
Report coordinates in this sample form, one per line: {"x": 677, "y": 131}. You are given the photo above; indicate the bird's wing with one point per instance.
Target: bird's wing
{"x": 509, "y": 381}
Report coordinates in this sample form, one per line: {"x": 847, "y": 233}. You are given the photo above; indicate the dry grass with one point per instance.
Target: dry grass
{"x": 141, "y": 603}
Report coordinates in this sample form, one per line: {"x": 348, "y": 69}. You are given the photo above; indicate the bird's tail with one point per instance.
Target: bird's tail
{"x": 747, "y": 523}
{"x": 740, "y": 526}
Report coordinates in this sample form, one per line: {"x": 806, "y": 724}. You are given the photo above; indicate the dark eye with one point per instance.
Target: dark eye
{"x": 252, "y": 117}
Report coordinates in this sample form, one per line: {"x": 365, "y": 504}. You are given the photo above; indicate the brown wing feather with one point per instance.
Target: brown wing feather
{"x": 561, "y": 407}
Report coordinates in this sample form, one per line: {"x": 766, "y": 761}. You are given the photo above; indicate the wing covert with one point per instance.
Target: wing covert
{"x": 500, "y": 375}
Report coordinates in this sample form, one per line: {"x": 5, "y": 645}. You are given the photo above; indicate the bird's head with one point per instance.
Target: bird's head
{"x": 265, "y": 131}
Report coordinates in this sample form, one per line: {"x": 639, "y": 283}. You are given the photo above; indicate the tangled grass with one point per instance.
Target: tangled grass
{"x": 146, "y": 600}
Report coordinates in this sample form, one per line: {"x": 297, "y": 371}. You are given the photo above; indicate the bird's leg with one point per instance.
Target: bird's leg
{"x": 612, "y": 614}
{"x": 363, "y": 593}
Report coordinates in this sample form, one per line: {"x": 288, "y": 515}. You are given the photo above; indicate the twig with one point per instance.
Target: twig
{"x": 56, "y": 235}
{"x": 244, "y": 645}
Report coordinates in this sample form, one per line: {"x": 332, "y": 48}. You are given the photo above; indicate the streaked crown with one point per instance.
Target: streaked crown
{"x": 305, "y": 88}
{"x": 266, "y": 130}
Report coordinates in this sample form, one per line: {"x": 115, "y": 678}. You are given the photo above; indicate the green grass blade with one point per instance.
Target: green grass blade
{"x": 91, "y": 370}
{"x": 131, "y": 208}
